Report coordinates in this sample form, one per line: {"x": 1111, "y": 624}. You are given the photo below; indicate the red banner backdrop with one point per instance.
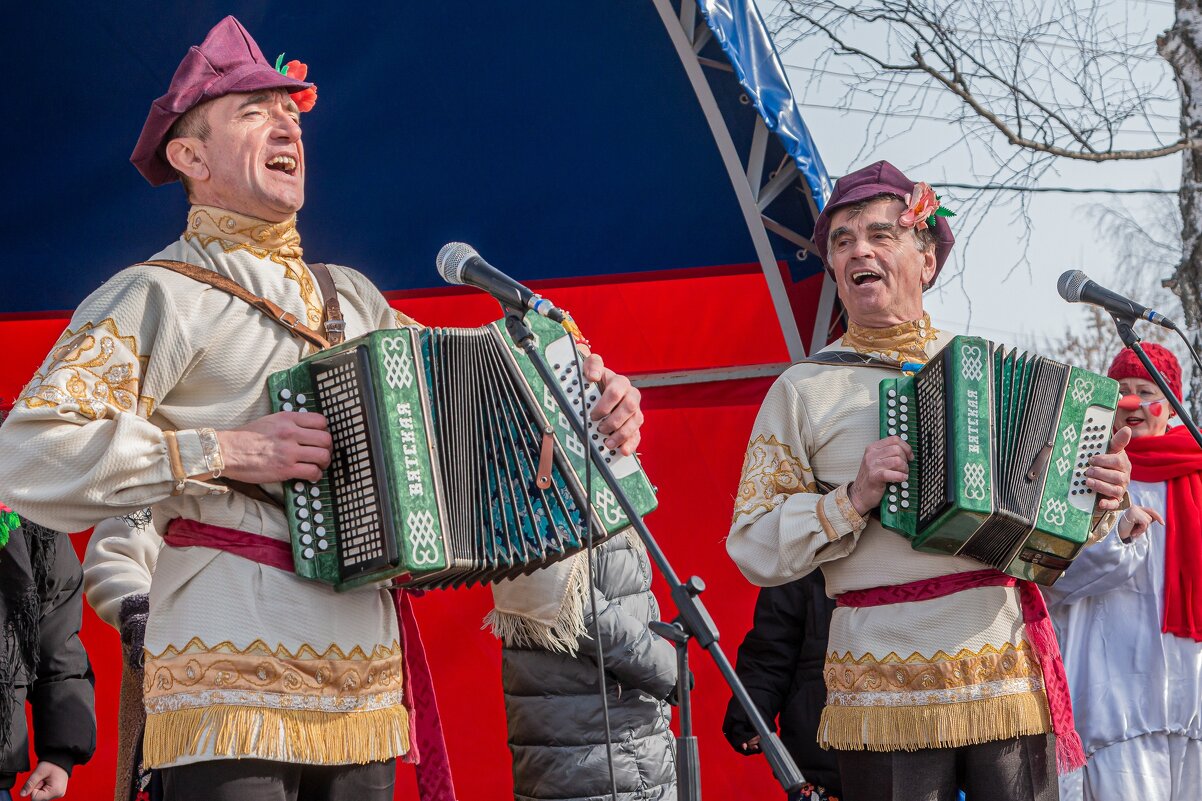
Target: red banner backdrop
{"x": 692, "y": 448}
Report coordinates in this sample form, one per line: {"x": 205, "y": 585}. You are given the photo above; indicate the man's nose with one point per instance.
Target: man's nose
{"x": 861, "y": 248}
{"x": 287, "y": 128}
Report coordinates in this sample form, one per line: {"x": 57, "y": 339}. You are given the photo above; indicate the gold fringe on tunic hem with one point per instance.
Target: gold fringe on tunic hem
{"x": 909, "y": 728}
{"x": 301, "y": 736}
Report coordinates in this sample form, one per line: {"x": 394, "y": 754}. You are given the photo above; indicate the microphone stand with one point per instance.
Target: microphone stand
{"x": 1131, "y": 339}
{"x": 693, "y": 621}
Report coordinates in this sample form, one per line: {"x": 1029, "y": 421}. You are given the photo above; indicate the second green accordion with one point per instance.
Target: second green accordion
{"x": 1001, "y": 441}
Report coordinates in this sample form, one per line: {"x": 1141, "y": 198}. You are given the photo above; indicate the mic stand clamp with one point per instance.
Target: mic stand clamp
{"x": 693, "y": 621}
{"x": 1126, "y": 329}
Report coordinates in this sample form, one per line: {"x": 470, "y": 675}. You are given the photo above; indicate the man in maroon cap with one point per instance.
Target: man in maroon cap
{"x": 923, "y": 696}
{"x": 258, "y": 684}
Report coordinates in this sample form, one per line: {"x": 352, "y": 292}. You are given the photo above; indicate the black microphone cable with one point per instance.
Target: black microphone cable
{"x": 589, "y": 550}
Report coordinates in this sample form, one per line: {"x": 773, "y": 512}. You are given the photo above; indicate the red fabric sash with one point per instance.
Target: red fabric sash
{"x": 1176, "y": 459}
{"x": 434, "y": 780}
{"x": 1070, "y": 754}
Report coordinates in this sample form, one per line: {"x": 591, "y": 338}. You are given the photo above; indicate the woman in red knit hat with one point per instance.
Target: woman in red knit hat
{"x": 1129, "y": 611}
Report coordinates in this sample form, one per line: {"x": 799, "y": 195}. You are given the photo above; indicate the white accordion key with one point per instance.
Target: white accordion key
{"x": 1095, "y": 438}
{"x": 561, "y": 355}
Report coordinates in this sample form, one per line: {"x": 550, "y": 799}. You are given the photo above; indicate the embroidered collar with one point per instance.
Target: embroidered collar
{"x": 905, "y": 342}
{"x": 277, "y": 239}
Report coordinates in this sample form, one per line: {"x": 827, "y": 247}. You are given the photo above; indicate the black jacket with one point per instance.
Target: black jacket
{"x": 42, "y": 659}
{"x": 780, "y": 662}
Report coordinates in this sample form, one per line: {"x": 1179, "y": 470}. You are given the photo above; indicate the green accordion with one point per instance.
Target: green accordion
{"x": 452, "y": 463}
{"x": 1001, "y": 441}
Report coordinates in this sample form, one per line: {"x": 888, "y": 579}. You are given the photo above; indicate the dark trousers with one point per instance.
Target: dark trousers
{"x": 261, "y": 780}
{"x": 1021, "y": 769}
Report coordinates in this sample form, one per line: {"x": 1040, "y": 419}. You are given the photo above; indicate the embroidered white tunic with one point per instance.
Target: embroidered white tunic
{"x": 944, "y": 672}
{"x": 242, "y": 660}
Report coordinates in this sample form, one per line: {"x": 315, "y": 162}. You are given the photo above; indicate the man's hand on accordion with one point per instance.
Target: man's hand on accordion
{"x": 1109, "y": 473}
{"x": 617, "y": 408}
{"x": 885, "y": 461}
{"x": 278, "y": 447}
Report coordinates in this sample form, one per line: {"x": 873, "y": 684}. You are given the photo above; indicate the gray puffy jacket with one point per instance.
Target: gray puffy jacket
{"x": 556, "y": 729}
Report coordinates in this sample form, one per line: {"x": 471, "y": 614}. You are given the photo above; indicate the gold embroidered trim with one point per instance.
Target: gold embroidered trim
{"x": 278, "y": 242}
{"x": 831, "y": 534}
{"x": 261, "y": 648}
{"x": 905, "y": 342}
{"x": 283, "y": 735}
{"x": 177, "y": 463}
{"x": 193, "y": 673}
{"x": 939, "y": 656}
{"x": 854, "y": 518}
{"x": 770, "y": 474}
{"x": 211, "y": 448}
{"x": 403, "y": 319}
{"x": 845, "y": 675}
{"x": 908, "y": 728}
{"x": 94, "y": 368}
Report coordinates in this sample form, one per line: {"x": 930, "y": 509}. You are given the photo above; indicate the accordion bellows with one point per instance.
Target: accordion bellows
{"x": 1001, "y": 441}
{"x": 452, "y": 463}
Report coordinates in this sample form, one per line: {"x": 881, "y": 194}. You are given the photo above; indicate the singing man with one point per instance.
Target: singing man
{"x": 258, "y": 684}
{"x": 937, "y": 678}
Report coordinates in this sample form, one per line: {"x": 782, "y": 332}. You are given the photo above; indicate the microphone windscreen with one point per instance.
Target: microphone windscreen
{"x": 1070, "y": 285}
{"x": 451, "y": 259}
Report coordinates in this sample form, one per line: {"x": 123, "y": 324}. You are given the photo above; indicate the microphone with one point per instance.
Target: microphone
{"x": 1075, "y": 287}
{"x": 461, "y": 264}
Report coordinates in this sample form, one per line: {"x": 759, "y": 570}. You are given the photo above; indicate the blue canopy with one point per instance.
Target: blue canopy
{"x": 561, "y": 139}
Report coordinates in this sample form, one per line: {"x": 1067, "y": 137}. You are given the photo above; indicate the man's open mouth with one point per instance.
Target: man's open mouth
{"x": 1134, "y": 421}
{"x": 283, "y": 163}
{"x": 861, "y": 277}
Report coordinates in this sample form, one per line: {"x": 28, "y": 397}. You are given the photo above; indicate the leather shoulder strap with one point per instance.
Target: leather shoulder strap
{"x": 849, "y": 357}
{"x": 277, "y": 315}
{"x": 335, "y": 326}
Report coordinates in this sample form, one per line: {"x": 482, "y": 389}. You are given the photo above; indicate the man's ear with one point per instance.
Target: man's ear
{"x": 186, "y": 154}
{"x": 928, "y": 267}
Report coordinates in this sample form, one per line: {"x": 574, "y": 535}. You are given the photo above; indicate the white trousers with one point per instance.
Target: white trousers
{"x": 1152, "y": 767}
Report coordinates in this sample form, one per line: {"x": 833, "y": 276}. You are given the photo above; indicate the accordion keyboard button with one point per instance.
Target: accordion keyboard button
{"x": 305, "y": 525}
{"x": 301, "y": 500}
{"x": 319, "y": 518}
{"x": 314, "y": 491}
{"x": 298, "y": 487}
{"x": 285, "y": 393}
{"x": 306, "y": 539}
{"x": 287, "y": 407}
{"x": 308, "y": 553}
{"x": 322, "y": 544}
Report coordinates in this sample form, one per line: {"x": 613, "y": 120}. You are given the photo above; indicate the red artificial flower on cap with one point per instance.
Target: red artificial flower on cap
{"x": 307, "y": 98}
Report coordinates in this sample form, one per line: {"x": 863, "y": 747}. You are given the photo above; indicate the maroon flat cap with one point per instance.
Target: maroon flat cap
{"x": 881, "y": 178}
{"x": 227, "y": 61}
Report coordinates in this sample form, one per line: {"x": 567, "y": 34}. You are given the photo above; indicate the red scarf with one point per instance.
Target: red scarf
{"x": 1176, "y": 459}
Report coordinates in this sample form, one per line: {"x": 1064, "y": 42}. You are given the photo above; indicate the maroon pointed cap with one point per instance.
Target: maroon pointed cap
{"x": 227, "y": 61}
{"x": 881, "y": 178}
